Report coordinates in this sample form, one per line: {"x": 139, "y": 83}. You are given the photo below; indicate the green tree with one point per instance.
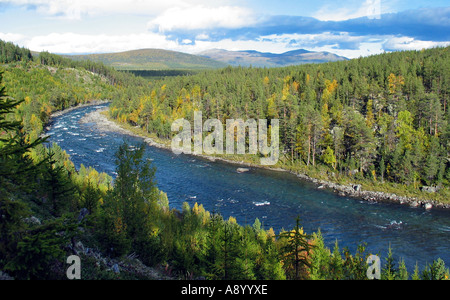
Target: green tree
{"x": 295, "y": 253}
{"x": 90, "y": 199}
{"x": 336, "y": 263}
{"x": 58, "y": 187}
{"x": 320, "y": 259}
{"x": 40, "y": 250}
{"x": 131, "y": 209}
{"x": 389, "y": 271}
{"x": 359, "y": 139}
{"x": 431, "y": 166}
{"x": 436, "y": 271}
{"x": 329, "y": 158}
{"x": 17, "y": 174}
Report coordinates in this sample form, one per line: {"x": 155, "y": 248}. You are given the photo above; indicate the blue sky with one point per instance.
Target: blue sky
{"x": 351, "y": 28}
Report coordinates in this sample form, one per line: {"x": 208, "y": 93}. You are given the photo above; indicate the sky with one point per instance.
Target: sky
{"x": 351, "y": 28}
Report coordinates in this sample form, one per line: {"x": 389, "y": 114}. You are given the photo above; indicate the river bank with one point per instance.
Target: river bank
{"x": 100, "y": 118}
{"x": 59, "y": 113}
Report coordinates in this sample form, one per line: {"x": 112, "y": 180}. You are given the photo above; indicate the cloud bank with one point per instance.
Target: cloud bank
{"x": 193, "y": 26}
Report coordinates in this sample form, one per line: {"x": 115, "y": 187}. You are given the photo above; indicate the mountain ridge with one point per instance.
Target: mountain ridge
{"x": 266, "y": 59}
{"x": 151, "y": 59}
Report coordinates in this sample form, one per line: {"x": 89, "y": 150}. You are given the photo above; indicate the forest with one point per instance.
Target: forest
{"x": 381, "y": 121}
{"x": 50, "y": 210}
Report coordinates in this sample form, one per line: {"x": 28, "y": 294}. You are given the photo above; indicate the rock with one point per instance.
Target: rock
{"x": 428, "y": 206}
{"x": 83, "y": 213}
{"x": 429, "y": 189}
{"x": 242, "y": 170}
{"x": 414, "y": 204}
{"x": 33, "y": 221}
{"x": 357, "y": 187}
{"x": 115, "y": 268}
{"x": 79, "y": 247}
{"x": 4, "y": 276}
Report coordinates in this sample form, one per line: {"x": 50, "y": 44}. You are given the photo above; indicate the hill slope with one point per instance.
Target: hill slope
{"x": 260, "y": 59}
{"x": 152, "y": 59}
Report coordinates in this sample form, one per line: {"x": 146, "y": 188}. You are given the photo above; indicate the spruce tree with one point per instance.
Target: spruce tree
{"x": 58, "y": 188}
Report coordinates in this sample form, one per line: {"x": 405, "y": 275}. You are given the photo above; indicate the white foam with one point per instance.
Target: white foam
{"x": 261, "y": 203}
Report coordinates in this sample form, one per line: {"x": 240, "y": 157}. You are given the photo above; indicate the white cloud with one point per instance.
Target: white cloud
{"x": 408, "y": 43}
{"x": 370, "y": 8}
{"x": 186, "y": 42}
{"x": 343, "y": 44}
{"x": 76, "y": 9}
{"x": 201, "y": 17}
{"x": 18, "y": 39}
{"x": 202, "y": 36}
{"x": 82, "y": 43}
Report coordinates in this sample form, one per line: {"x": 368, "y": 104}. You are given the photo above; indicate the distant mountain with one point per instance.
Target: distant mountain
{"x": 158, "y": 59}
{"x": 152, "y": 59}
{"x": 261, "y": 59}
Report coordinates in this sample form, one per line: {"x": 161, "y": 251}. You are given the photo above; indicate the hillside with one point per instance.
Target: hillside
{"x": 50, "y": 211}
{"x": 380, "y": 121}
{"x": 260, "y": 59}
{"x": 152, "y": 59}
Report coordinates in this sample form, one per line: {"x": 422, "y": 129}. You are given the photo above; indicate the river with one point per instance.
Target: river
{"x": 275, "y": 198}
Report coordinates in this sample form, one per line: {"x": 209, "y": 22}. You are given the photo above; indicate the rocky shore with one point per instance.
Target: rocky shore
{"x": 356, "y": 191}
{"x": 353, "y": 190}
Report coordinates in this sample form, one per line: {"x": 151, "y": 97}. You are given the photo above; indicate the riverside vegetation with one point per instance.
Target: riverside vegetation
{"x": 381, "y": 121}
{"x": 49, "y": 210}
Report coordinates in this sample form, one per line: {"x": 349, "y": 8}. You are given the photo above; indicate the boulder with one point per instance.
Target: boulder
{"x": 357, "y": 187}
{"x": 429, "y": 189}
{"x": 242, "y": 170}
{"x": 33, "y": 221}
{"x": 115, "y": 268}
{"x": 5, "y": 277}
{"x": 414, "y": 204}
{"x": 83, "y": 213}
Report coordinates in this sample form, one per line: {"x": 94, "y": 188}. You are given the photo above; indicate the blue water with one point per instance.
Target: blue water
{"x": 276, "y": 198}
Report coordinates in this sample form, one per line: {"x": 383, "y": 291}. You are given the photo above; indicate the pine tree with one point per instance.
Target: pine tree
{"x": 296, "y": 251}
{"x": 416, "y": 274}
{"x": 90, "y": 198}
{"x": 389, "y": 272}
{"x": 431, "y": 167}
{"x": 320, "y": 259}
{"x": 436, "y": 271}
{"x": 402, "y": 271}
{"x": 58, "y": 187}
{"x": 16, "y": 171}
{"x": 26, "y": 250}
{"x": 336, "y": 263}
